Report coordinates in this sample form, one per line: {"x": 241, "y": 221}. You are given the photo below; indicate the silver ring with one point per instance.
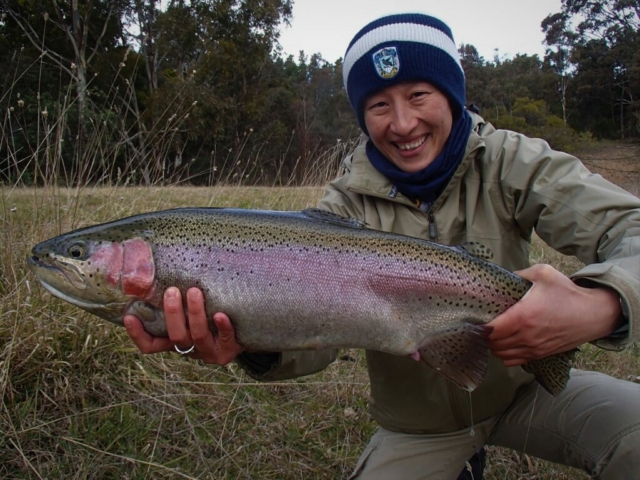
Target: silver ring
{"x": 184, "y": 352}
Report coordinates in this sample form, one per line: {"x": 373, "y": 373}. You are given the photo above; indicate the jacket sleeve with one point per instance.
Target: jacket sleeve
{"x": 285, "y": 365}
{"x": 577, "y": 213}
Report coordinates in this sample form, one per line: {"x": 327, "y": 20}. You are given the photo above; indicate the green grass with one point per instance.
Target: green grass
{"x": 79, "y": 400}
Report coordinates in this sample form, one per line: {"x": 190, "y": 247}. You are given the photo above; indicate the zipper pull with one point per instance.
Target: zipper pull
{"x": 433, "y": 230}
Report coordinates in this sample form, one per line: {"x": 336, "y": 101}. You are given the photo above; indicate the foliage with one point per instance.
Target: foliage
{"x": 597, "y": 44}
{"x": 197, "y": 90}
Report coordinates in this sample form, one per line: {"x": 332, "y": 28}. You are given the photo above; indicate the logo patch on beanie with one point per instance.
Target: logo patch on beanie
{"x": 387, "y": 62}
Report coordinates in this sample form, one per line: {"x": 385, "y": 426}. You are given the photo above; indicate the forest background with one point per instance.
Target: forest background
{"x": 122, "y": 91}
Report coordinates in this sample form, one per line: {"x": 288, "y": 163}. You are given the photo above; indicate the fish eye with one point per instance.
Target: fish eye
{"x": 77, "y": 250}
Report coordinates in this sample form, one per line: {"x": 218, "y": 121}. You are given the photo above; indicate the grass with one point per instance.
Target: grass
{"x": 79, "y": 400}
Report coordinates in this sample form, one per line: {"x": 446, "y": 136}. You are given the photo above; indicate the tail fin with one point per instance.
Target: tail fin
{"x": 552, "y": 372}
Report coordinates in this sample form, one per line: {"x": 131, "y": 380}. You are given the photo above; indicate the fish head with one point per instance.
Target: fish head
{"x": 98, "y": 273}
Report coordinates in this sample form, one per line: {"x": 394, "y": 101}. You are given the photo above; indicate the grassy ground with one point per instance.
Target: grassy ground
{"x": 79, "y": 401}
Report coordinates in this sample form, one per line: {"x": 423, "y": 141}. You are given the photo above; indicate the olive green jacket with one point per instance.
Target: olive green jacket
{"x": 506, "y": 187}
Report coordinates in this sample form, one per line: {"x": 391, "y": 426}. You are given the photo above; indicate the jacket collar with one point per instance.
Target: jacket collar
{"x": 366, "y": 180}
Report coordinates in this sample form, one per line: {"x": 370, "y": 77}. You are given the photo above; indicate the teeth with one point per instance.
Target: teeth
{"x": 411, "y": 146}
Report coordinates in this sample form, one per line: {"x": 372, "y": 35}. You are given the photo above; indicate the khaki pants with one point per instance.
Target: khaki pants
{"x": 593, "y": 425}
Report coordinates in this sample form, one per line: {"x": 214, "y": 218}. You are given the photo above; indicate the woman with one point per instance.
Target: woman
{"x": 432, "y": 169}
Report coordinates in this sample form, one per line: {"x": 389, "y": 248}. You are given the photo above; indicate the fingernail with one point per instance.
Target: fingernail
{"x": 171, "y": 293}
{"x": 193, "y": 293}
{"x": 127, "y": 322}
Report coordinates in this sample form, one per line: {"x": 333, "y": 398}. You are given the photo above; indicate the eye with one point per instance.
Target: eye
{"x": 377, "y": 108}
{"x": 77, "y": 250}
{"x": 377, "y": 105}
{"x": 420, "y": 94}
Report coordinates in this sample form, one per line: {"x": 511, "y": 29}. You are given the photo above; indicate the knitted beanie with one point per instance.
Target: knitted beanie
{"x": 400, "y": 48}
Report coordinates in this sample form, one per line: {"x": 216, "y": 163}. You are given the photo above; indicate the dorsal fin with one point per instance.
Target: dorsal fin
{"x": 476, "y": 249}
{"x": 332, "y": 218}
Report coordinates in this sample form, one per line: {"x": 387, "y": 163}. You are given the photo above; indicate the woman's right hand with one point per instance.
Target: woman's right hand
{"x": 219, "y": 349}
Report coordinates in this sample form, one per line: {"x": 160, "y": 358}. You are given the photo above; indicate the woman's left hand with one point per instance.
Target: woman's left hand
{"x": 555, "y": 316}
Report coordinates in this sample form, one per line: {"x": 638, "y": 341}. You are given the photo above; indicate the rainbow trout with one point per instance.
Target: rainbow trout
{"x": 295, "y": 281}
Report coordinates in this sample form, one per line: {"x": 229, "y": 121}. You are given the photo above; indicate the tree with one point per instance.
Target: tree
{"x": 603, "y": 47}
{"x": 84, "y": 26}
{"x": 559, "y": 40}
{"x": 477, "y": 76}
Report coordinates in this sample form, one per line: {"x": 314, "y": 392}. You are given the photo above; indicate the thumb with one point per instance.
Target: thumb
{"x": 226, "y": 332}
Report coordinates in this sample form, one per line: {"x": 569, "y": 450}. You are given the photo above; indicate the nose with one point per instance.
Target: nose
{"x": 403, "y": 121}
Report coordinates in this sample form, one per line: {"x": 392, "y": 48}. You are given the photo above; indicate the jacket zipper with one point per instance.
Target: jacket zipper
{"x": 433, "y": 229}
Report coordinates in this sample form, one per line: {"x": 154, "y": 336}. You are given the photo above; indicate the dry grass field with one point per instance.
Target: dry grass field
{"x": 79, "y": 401}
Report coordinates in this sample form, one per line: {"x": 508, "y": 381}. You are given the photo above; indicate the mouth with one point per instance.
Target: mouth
{"x": 72, "y": 300}
{"x": 44, "y": 270}
{"x": 109, "y": 311}
{"x": 405, "y": 147}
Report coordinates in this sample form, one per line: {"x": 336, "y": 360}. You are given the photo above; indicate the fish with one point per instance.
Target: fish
{"x": 297, "y": 280}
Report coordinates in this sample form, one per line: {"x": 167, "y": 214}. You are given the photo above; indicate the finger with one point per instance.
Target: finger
{"x": 143, "y": 340}
{"x": 227, "y": 348}
{"x": 516, "y": 362}
{"x": 508, "y": 343}
{"x": 197, "y": 317}
{"x": 226, "y": 332}
{"x": 199, "y": 328}
{"x": 537, "y": 272}
{"x": 512, "y": 353}
{"x": 504, "y": 325}
{"x": 175, "y": 319}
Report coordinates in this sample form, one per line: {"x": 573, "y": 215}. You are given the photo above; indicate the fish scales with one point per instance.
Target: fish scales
{"x": 302, "y": 275}
{"x": 289, "y": 281}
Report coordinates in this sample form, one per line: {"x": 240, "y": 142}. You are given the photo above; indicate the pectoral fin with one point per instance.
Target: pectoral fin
{"x": 461, "y": 354}
{"x": 152, "y": 318}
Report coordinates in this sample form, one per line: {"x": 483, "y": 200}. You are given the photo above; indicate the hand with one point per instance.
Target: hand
{"x": 194, "y": 330}
{"x": 555, "y": 316}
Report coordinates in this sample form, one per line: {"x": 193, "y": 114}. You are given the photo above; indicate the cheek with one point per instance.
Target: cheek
{"x": 377, "y": 135}
{"x": 374, "y": 124}
{"x": 444, "y": 124}
{"x": 107, "y": 262}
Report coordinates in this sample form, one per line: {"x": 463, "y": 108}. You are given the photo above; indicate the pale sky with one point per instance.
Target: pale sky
{"x": 512, "y": 26}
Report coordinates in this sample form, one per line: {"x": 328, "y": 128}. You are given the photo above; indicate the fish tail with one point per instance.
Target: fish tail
{"x": 552, "y": 372}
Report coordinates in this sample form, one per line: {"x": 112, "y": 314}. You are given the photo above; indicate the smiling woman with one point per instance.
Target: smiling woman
{"x": 409, "y": 97}
{"x": 430, "y": 168}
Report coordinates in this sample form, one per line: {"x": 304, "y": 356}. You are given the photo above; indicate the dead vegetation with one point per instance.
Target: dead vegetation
{"x": 79, "y": 401}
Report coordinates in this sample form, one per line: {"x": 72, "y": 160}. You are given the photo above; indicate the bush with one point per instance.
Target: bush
{"x": 531, "y": 118}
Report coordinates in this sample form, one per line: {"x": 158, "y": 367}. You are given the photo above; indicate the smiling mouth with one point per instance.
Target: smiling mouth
{"x": 412, "y": 145}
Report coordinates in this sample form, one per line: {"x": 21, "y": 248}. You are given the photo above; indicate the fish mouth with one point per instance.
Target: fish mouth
{"x": 109, "y": 311}
{"x": 42, "y": 270}
{"x": 47, "y": 273}
{"x": 73, "y": 300}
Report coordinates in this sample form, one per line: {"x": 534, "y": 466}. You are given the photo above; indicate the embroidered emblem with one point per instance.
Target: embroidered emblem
{"x": 387, "y": 62}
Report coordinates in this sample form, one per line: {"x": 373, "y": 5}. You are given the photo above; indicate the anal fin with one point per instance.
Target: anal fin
{"x": 461, "y": 354}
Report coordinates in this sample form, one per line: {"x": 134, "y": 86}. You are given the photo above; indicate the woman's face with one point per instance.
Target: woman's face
{"x": 409, "y": 123}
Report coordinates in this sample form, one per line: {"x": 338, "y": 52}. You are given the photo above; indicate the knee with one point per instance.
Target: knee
{"x": 620, "y": 460}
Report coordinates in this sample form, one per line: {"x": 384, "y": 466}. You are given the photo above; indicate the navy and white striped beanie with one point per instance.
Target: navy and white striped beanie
{"x": 399, "y": 48}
